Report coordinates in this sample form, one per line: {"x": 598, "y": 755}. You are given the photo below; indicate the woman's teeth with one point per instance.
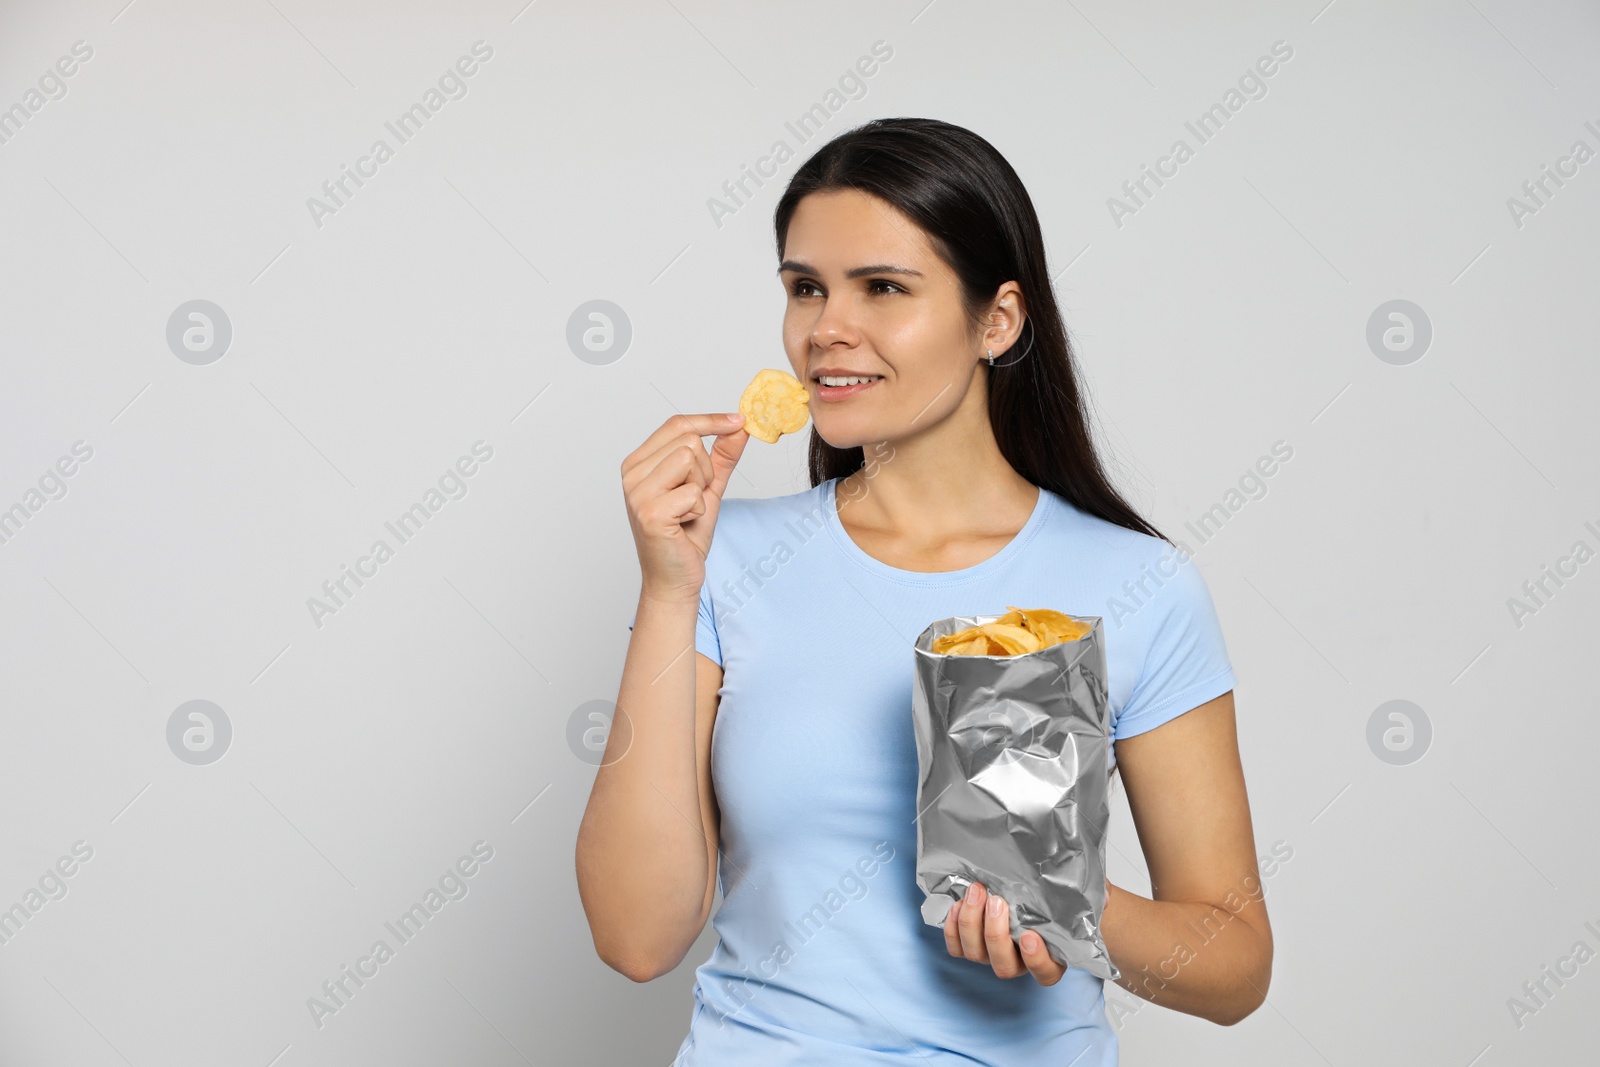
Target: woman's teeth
{"x": 848, "y": 381}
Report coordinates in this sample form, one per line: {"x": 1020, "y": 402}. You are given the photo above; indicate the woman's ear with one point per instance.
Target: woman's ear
{"x": 1005, "y": 319}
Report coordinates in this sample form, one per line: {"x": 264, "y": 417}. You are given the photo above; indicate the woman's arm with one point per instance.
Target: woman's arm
{"x": 647, "y": 846}
{"x": 1203, "y": 946}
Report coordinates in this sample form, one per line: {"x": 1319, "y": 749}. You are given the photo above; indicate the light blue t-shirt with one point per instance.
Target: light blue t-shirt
{"x": 824, "y": 957}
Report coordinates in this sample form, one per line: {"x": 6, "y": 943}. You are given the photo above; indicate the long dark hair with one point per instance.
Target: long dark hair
{"x": 980, "y": 220}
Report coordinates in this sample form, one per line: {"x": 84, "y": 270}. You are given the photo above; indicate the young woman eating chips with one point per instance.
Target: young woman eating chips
{"x": 764, "y": 745}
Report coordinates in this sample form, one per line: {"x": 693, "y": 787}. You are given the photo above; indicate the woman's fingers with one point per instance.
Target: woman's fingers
{"x": 660, "y": 448}
{"x": 1003, "y": 954}
{"x": 696, "y": 426}
{"x": 676, "y": 466}
{"x": 975, "y": 931}
{"x": 667, "y": 492}
{"x": 683, "y": 459}
{"x": 725, "y": 453}
{"x": 1036, "y": 958}
{"x": 970, "y": 925}
{"x": 684, "y": 503}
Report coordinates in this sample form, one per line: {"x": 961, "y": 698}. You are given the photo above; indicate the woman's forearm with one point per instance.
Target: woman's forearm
{"x": 1198, "y": 958}
{"x": 643, "y": 853}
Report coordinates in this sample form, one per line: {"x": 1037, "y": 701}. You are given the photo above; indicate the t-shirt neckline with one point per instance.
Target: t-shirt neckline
{"x": 858, "y": 555}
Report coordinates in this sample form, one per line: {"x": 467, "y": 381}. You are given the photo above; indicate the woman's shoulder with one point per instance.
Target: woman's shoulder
{"x": 1108, "y": 540}
{"x": 1130, "y": 569}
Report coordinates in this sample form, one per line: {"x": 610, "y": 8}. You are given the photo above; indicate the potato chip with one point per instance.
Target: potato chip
{"x": 1016, "y": 633}
{"x": 1052, "y": 626}
{"x": 773, "y": 404}
{"x": 1014, "y": 639}
{"x": 976, "y": 645}
{"x": 949, "y": 642}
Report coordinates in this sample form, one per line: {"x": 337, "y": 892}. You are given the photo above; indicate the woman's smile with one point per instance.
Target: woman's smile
{"x": 858, "y": 383}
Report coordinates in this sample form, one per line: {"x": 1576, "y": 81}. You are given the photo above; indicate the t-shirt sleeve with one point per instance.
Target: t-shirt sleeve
{"x": 706, "y": 639}
{"x": 1186, "y": 660}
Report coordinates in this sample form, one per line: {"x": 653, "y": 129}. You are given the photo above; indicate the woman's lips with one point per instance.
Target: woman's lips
{"x": 829, "y": 393}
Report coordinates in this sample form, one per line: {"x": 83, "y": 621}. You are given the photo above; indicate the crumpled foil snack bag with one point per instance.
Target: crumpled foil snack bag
{"x": 1012, "y": 786}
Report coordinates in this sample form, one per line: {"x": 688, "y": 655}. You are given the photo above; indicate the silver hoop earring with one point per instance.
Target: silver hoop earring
{"x": 989, "y": 352}
{"x": 1028, "y": 329}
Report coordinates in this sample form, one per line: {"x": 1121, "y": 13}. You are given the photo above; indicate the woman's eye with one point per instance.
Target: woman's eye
{"x": 805, "y": 288}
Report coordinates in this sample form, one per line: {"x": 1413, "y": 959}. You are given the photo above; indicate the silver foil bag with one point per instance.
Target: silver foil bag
{"x": 1013, "y": 788}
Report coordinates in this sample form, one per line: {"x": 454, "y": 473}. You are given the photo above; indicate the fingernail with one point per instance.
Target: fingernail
{"x": 972, "y": 892}
{"x": 733, "y": 417}
{"x": 994, "y": 905}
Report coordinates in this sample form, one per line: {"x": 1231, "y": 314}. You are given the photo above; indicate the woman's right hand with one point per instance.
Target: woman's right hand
{"x": 673, "y": 489}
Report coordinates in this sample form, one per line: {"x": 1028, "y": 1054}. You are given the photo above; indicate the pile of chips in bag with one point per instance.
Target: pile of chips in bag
{"x": 1013, "y": 634}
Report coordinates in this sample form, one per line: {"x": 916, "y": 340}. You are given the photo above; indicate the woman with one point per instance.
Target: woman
{"x": 958, "y": 476}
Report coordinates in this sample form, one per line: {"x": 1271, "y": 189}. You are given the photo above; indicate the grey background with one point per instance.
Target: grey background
{"x": 432, "y": 711}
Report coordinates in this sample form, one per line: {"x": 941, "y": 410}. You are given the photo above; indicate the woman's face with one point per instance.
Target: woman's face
{"x": 868, "y": 296}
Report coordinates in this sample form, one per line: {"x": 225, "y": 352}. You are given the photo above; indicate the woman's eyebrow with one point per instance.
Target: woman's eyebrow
{"x": 853, "y": 272}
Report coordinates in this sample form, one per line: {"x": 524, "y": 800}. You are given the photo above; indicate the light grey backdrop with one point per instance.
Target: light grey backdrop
{"x": 441, "y": 706}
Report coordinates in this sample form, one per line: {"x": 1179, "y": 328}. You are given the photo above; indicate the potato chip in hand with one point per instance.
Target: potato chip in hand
{"x": 773, "y": 404}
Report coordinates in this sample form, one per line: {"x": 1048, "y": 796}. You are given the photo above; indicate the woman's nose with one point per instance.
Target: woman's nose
{"x": 833, "y": 324}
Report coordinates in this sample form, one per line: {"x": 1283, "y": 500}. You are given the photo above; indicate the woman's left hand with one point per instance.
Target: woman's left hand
{"x": 979, "y": 929}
